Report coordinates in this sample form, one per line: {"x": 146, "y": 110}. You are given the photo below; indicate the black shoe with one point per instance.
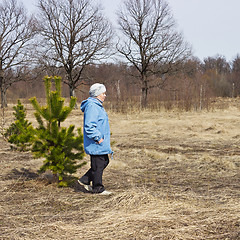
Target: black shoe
{"x": 88, "y": 187}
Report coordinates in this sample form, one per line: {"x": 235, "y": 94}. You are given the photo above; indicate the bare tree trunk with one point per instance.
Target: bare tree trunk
{"x": 3, "y": 97}
{"x": 201, "y": 97}
{"x": 233, "y": 90}
{"x": 3, "y": 91}
{"x": 117, "y": 84}
{"x": 73, "y": 94}
{"x": 144, "y": 97}
{"x": 144, "y": 90}
{"x": 118, "y": 90}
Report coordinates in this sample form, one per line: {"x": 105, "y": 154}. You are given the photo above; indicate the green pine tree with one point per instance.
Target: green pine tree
{"x": 21, "y": 132}
{"x": 58, "y": 145}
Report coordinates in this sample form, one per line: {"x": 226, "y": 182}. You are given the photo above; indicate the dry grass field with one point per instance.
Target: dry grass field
{"x": 175, "y": 175}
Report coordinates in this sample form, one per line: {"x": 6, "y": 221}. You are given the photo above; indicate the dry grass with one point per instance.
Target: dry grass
{"x": 174, "y": 175}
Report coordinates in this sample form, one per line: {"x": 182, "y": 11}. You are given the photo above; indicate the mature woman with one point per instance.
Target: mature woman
{"x": 96, "y": 138}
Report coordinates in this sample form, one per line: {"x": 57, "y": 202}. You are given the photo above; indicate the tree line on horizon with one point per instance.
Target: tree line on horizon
{"x": 194, "y": 86}
{"x": 145, "y": 61}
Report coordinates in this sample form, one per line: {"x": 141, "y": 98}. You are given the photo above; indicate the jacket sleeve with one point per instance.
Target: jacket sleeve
{"x": 90, "y": 122}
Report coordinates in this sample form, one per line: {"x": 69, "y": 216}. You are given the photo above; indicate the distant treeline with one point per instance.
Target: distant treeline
{"x": 189, "y": 88}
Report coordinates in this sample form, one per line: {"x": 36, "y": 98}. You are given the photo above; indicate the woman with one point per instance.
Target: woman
{"x": 96, "y": 133}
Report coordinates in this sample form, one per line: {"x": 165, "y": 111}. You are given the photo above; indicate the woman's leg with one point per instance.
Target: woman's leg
{"x": 98, "y": 164}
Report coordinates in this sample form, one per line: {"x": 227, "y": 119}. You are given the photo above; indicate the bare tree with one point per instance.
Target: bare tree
{"x": 150, "y": 41}
{"x": 218, "y": 63}
{"x": 75, "y": 34}
{"x": 236, "y": 76}
{"x": 16, "y": 34}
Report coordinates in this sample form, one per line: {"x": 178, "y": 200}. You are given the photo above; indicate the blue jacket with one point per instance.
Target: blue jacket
{"x": 95, "y": 127}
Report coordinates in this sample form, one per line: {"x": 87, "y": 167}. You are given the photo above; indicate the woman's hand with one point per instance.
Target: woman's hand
{"x": 100, "y": 141}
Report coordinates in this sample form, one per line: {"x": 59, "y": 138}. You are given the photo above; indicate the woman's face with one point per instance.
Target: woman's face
{"x": 102, "y": 96}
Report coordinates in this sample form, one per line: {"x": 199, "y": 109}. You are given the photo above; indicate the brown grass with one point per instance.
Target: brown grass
{"x": 175, "y": 175}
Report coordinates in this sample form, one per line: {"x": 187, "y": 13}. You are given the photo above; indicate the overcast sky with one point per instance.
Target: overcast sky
{"x": 210, "y": 26}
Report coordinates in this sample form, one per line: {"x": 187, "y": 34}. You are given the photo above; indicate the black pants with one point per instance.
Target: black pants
{"x": 94, "y": 174}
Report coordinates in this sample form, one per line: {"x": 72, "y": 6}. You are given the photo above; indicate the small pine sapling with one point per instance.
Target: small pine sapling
{"x": 21, "y": 132}
{"x": 58, "y": 145}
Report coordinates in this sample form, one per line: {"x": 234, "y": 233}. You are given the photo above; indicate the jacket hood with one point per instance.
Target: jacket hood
{"x": 90, "y": 100}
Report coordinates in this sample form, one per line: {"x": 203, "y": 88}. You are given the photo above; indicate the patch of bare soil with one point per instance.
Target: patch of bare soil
{"x": 174, "y": 176}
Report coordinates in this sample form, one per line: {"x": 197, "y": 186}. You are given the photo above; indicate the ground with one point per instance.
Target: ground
{"x": 174, "y": 175}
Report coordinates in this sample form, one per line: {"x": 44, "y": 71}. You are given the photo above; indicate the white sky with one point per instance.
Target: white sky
{"x": 210, "y": 26}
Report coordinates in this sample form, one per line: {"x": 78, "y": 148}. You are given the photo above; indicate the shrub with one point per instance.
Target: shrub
{"x": 58, "y": 145}
{"x": 21, "y": 132}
